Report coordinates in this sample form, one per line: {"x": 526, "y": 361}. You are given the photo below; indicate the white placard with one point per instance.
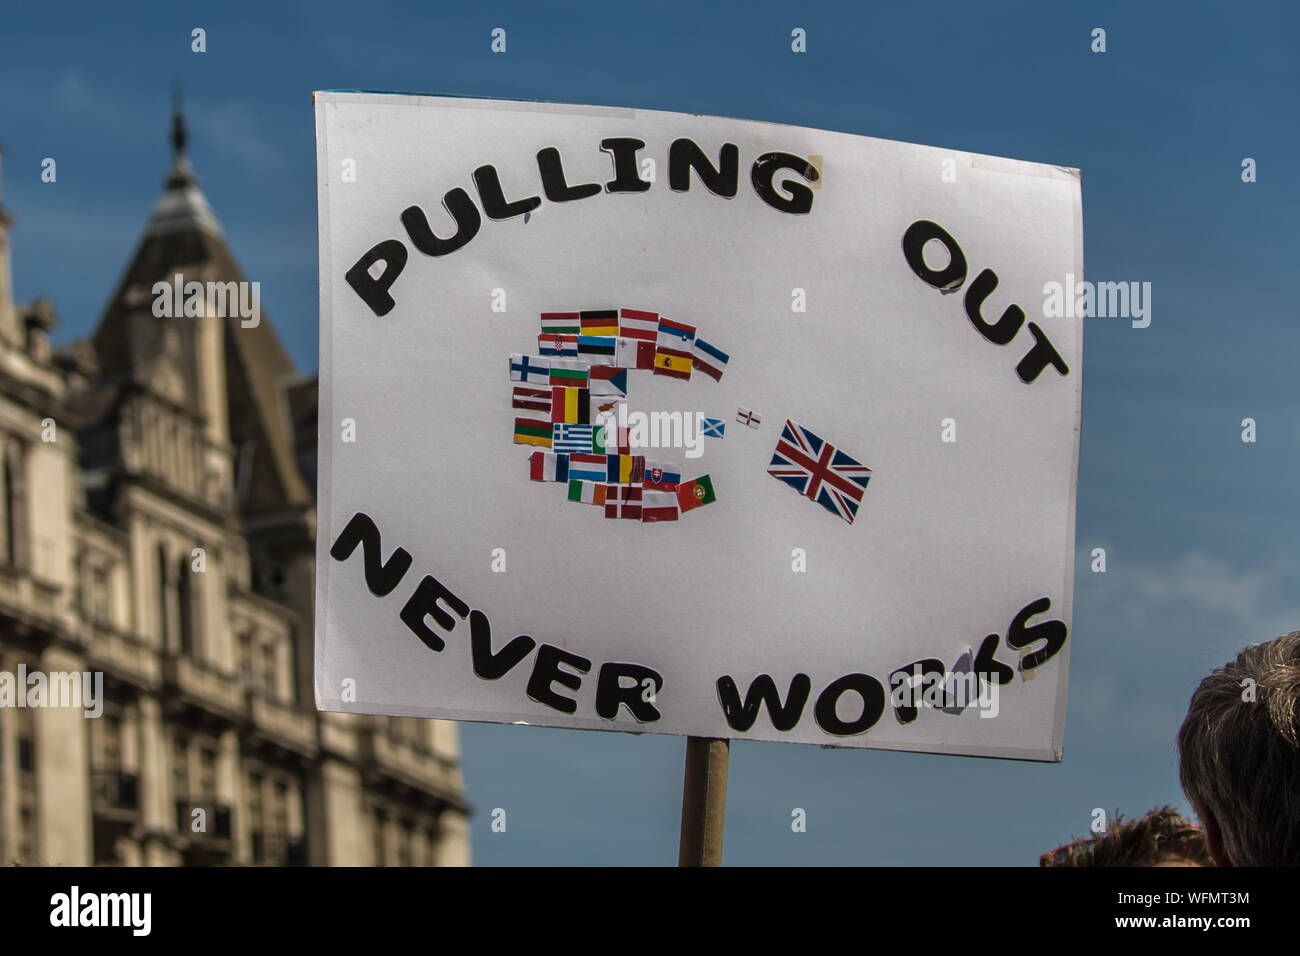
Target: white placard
{"x": 884, "y": 299}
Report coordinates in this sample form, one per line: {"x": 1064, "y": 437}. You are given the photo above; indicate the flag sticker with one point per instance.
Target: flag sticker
{"x": 570, "y": 399}
{"x": 659, "y": 506}
{"x": 533, "y": 431}
{"x": 625, "y": 469}
{"x": 623, "y": 501}
{"x": 568, "y": 373}
{"x": 558, "y": 346}
{"x": 695, "y": 493}
{"x": 533, "y": 399}
{"x": 548, "y": 466}
{"x": 607, "y": 380}
{"x": 570, "y": 405}
{"x": 587, "y": 492}
{"x": 820, "y": 471}
{"x": 529, "y": 368}
{"x": 633, "y": 324}
{"x": 561, "y": 323}
{"x": 677, "y": 335}
{"x": 604, "y": 322}
{"x": 578, "y": 439}
{"x": 709, "y": 359}
{"x": 662, "y": 475}
{"x": 746, "y": 417}
{"x": 597, "y": 349}
{"x": 672, "y": 362}
{"x": 587, "y": 467}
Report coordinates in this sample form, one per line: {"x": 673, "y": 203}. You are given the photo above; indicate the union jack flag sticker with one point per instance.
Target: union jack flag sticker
{"x": 820, "y": 471}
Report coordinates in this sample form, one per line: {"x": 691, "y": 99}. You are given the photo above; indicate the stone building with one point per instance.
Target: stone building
{"x": 157, "y": 526}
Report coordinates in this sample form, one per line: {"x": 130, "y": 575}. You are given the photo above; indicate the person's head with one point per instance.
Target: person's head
{"x": 1239, "y": 756}
{"x": 1160, "y": 838}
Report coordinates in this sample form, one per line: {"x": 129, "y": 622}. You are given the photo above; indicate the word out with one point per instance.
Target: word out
{"x": 952, "y": 277}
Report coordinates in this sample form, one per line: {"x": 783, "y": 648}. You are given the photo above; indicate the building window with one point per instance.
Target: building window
{"x": 280, "y": 809}
{"x": 246, "y": 660}
{"x": 207, "y": 773}
{"x": 110, "y": 742}
{"x": 99, "y": 606}
{"x": 15, "y": 490}
{"x": 378, "y": 837}
{"x": 29, "y": 839}
{"x": 180, "y": 767}
{"x": 164, "y": 605}
{"x": 26, "y": 730}
{"x": 406, "y": 844}
{"x": 255, "y": 817}
{"x": 268, "y": 670}
{"x": 187, "y": 594}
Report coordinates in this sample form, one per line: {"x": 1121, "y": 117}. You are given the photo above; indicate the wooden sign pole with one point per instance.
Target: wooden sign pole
{"x": 704, "y": 801}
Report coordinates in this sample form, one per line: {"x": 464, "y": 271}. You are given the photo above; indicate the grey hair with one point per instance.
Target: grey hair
{"x": 1239, "y": 752}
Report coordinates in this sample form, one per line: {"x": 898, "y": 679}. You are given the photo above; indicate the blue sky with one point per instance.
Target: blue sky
{"x": 1199, "y": 528}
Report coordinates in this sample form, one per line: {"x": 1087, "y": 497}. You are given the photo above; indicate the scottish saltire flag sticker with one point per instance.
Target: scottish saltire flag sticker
{"x": 820, "y": 471}
{"x": 713, "y": 427}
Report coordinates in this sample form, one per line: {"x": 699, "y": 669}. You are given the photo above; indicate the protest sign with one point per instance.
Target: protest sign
{"x": 657, "y": 422}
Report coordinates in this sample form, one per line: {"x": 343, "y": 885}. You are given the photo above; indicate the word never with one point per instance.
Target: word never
{"x": 432, "y": 599}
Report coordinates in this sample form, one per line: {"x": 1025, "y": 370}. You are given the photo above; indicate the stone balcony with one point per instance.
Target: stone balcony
{"x": 416, "y": 767}
{"x": 121, "y": 655}
{"x": 285, "y": 723}
{"x": 213, "y": 691}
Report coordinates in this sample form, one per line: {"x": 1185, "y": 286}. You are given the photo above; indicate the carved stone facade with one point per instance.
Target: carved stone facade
{"x": 157, "y": 525}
